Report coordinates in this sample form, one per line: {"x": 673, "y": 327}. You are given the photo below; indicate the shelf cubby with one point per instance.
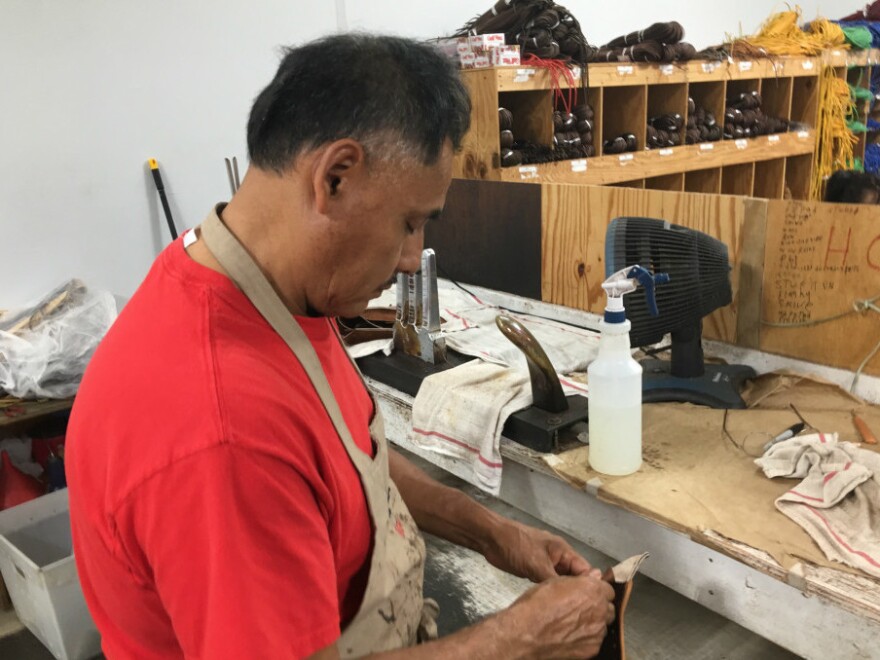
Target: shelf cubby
{"x": 776, "y": 95}
{"x": 532, "y": 115}
{"x": 668, "y": 99}
{"x": 711, "y": 96}
{"x": 738, "y": 179}
{"x": 769, "y": 178}
{"x": 636, "y": 183}
{"x": 798, "y": 170}
{"x": 703, "y": 181}
{"x": 666, "y": 182}
{"x": 625, "y": 111}
{"x": 805, "y": 101}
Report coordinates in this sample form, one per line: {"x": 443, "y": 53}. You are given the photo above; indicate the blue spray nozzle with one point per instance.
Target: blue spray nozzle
{"x": 648, "y": 280}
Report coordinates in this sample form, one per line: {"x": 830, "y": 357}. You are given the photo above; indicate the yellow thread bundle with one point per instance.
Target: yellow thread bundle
{"x": 781, "y": 35}
{"x": 834, "y": 148}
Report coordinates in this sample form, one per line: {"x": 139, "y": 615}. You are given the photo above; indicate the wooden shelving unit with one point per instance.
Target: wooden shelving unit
{"x": 624, "y": 96}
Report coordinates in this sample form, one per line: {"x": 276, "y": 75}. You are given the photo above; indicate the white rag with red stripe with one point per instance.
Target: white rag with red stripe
{"x": 461, "y": 412}
{"x": 838, "y": 501}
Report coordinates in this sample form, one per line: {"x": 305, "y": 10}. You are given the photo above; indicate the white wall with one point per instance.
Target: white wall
{"x": 91, "y": 89}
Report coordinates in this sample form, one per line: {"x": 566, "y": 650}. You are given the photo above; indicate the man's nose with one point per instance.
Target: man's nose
{"x": 411, "y": 254}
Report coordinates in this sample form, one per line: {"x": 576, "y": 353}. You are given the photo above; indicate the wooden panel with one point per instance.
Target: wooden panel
{"x": 751, "y": 273}
{"x": 490, "y": 234}
{"x": 479, "y": 158}
{"x": 573, "y": 250}
{"x": 637, "y": 183}
{"x": 703, "y": 181}
{"x": 821, "y": 259}
{"x": 739, "y": 179}
{"x": 625, "y": 112}
{"x": 658, "y": 162}
{"x": 769, "y": 179}
{"x": 673, "y": 182}
{"x": 798, "y": 170}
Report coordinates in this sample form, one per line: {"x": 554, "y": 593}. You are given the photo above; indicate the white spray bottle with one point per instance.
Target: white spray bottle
{"x": 615, "y": 380}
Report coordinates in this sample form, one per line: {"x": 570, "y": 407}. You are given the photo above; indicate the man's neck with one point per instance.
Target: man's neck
{"x": 257, "y": 223}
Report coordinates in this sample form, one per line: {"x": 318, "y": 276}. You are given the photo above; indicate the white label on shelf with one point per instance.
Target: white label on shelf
{"x": 665, "y": 152}
{"x": 803, "y": 134}
{"x": 576, "y": 71}
{"x": 772, "y": 139}
{"x": 707, "y": 146}
{"x": 523, "y": 75}
{"x": 745, "y": 66}
{"x": 624, "y": 70}
{"x": 667, "y": 69}
{"x": 579, "y": 165}
{"x": 625, "y": 158}
{"x": 836, "y": 53}
{"x": 528, "y": 172}
{"x": 741, "y": 144}
{"x": 807, "y": 64}
{"x": 709, "y": 67}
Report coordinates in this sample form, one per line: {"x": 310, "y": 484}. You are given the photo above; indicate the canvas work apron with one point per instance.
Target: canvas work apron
{"x": 393, "y": 613}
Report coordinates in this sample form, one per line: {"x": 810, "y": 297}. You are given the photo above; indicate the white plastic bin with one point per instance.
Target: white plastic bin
{"x": 36, "y": 560}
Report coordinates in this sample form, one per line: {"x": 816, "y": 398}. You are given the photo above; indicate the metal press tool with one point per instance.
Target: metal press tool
{"x": 417, "y": 321}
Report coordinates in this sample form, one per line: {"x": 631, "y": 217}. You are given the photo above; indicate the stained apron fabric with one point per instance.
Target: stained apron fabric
{"x": 393, "y": 613}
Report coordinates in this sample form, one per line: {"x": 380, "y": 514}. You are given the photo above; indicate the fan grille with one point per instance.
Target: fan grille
{"x": 697, "y": 265}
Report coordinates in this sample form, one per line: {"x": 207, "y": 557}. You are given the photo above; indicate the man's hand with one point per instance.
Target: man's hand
{"x": 566, "y": 617}
{"x": 534, "y": 554}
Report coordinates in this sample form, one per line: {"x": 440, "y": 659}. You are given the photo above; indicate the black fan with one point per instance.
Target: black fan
{"x": 699, "y": 283}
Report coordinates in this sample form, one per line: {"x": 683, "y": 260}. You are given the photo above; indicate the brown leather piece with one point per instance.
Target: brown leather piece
{"x": 621, "y": 579}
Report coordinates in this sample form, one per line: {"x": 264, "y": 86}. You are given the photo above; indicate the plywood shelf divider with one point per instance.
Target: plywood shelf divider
{"x": 625, "y": 95}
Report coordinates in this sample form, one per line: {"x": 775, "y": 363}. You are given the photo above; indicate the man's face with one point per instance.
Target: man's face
{"x": 381, "y": 232}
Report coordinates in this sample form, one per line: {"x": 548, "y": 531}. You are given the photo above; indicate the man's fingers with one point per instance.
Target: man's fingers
{"x": 543, "y": 569}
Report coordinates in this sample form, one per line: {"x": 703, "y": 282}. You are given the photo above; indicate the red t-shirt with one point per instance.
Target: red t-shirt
{"x": 215, "y": 512}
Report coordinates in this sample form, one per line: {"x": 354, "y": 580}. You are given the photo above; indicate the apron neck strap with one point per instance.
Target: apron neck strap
{"x": 245, "y": 273}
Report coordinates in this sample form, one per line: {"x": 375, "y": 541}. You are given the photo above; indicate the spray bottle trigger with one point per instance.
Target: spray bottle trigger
{"x": 648, "y": 282}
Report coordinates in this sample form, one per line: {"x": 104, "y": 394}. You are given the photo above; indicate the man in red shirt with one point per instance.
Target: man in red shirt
{"x": 231, "y": 491}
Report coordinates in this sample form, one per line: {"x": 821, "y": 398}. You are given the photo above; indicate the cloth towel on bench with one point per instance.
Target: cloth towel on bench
{"x": 838, "y": 500}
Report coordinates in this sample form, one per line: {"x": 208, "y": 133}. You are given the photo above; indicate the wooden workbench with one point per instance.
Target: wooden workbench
{"x": 814, "y": 611}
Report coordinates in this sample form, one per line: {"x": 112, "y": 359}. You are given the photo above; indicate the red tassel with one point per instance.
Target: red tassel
{"x": 16, "y": 487}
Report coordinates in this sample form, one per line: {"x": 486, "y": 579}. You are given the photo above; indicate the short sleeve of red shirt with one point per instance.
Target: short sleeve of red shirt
{"x": 235, "y": 581}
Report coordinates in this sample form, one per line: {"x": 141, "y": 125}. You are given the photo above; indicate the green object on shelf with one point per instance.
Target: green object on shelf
{"x": 858, "y": 165}
{"x": 856, "y": 126}
{"x": 860, "y": 93}
{"x": 858, "y": 36}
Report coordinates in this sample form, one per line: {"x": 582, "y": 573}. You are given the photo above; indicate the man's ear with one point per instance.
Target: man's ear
{"x": 336, "y": 167}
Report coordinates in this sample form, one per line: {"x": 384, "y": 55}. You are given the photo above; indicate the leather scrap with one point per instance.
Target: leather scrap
{"x": 621, "y": 578}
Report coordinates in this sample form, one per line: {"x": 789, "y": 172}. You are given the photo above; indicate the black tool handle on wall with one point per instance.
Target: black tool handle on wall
{"x": 160, "y": 187}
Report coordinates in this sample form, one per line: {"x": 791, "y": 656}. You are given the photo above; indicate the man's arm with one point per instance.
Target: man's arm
{"x": 565, "y": 617}
{"x": 506, "y": 544}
